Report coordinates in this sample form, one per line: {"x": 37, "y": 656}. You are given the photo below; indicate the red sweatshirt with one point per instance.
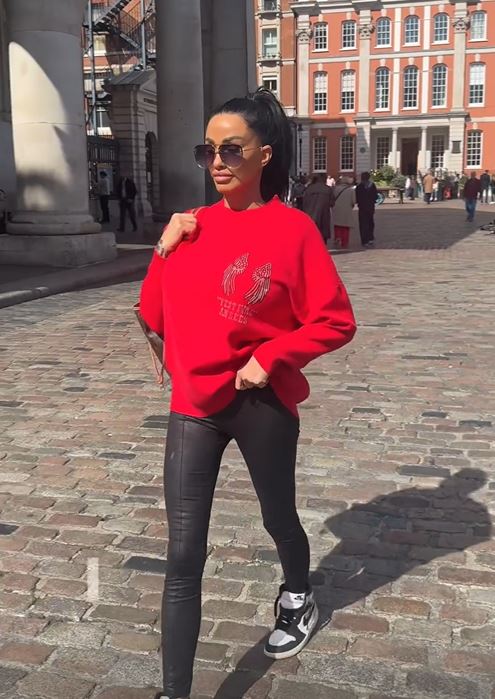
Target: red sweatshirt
{"x": 255, "y": 282}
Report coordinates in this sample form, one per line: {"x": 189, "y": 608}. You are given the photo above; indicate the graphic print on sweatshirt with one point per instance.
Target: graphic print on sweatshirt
{"x": 261, "y": 278}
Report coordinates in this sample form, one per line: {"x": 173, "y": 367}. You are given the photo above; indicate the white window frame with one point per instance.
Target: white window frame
{"x": 348, "y": 81}
{"x": 437, "y": 153}
{"x": 479, "y": 83}
{"x": 265, "y": 9}
{"x": 320, "y": 154}
{"x": 264, "y": 32}
{"x": 383, "y": 70}
{"x": 346, "y": 35}
{"x": 474, "y": 148}
{"x": 410, "y": 70}
{"x": 439, "y": 87}
{"x": 383, "y": 22}
{"x": 272, "y": 78}
{"x": 320, "y": 37}
{"x": 320, "y": 92}
{"x": 346, "y": 139}
{"x": 407, "y": 22}
{"x": 445, "y": 27}
{"x": 479, "y": 13}
{"x": 380, "y": 151}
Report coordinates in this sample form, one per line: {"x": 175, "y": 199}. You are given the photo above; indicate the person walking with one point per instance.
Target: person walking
{"x": 366, "y": 194}
{"x": 344, "y": 202}
{"x": 428, "y": 182}
{"x": 298, "y": 192}
{"x": 318, "y": 200}
{"x": 104, "y": 194}
{"x": 254, "y": 277}
{"x": 472, "y": 189}
{"x": 127, "y": 192}
{"x": 485, "y": 185}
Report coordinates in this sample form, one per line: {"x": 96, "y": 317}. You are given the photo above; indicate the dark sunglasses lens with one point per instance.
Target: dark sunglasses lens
{"x": 204, "y": 155}
{"x": 231, "y": 155}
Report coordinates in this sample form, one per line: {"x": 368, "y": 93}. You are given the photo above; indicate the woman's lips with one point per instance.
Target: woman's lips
{"x": 222, "y": 179}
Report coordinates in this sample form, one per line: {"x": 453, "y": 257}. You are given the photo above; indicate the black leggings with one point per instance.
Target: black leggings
{"x": 266, "y": 433}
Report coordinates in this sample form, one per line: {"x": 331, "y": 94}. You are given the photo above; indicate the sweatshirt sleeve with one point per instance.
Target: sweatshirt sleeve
{"x": 150, "y": 302}
{"x": 321, "y": 306}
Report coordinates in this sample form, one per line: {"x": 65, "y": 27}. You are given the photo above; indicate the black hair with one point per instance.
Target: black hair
{"x": 264, "y": 114}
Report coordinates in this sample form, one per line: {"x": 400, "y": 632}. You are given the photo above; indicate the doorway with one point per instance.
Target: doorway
{"x": 409, "y": 156}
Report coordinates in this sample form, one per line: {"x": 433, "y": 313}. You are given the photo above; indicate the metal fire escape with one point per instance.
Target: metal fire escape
{"x": 130, "y": 26}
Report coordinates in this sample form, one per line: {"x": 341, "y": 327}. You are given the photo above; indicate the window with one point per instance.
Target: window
{"x": 269, "y": 5}
{"x": 384, "y": 32}
{"x": 347, "y": 90}
{"x": 347, "y": 154}
{"x": 271, "y": 84}
{"x": 320, "y": 154}
{"x": 382, "y": 151}
{"x": 437, "y": 152}
{"x": 476, "y": 84}
{"x": 349, "y": 34}
{"x": 411, "y": 87}
{"x": 411, "y": 30}
{"x": 321, "y": 90}
{"x": 478, "y": 26}
{"x": 473, "y": 158}
{"x": 382, "y": 88}
{"x": 321, "y": 36}
{"x": 270, "y": 43}
{"x": 441, "y": 28}
{"x": 439, "y": 86}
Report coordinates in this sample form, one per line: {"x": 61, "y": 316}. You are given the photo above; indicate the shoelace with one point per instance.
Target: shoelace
{"x": 285, "y": 618}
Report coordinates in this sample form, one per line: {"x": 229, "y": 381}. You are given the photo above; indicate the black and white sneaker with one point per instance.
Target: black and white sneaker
{"x": 293, "y": 627}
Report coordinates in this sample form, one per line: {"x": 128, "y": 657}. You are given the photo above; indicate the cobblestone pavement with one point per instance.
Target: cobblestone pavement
{"x": 396, "y": 484}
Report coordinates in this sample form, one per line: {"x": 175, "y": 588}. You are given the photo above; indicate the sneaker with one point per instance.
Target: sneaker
{"x": 293, "y": 627}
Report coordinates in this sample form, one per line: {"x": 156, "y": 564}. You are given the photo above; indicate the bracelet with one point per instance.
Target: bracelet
{"x": 160, "y": 249}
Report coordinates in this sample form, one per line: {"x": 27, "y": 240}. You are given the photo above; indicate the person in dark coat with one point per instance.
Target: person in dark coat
{"x": 127, "y": 192}
{"x": 366, "y": 194}
{"x": 317, "y": 202}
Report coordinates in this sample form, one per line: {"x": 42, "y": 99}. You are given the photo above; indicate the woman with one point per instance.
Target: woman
{"x": 345, "y": 200}
{"x": 246, "y": 295}
{"x": 317, "y": 202}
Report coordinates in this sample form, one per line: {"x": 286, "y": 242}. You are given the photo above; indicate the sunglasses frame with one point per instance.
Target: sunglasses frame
{"x": 217, "y": 151}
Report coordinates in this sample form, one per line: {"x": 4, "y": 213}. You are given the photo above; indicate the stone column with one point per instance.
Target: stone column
{"x": 181, "y": 103}
{"x": 457, "y": 127}
{"x": 52, "y": 221}
{"x": 461, "y": 26}
{"x": 366, "y": 29}
{"x": 304, "y": 35}
{"x": 363, "y": 144}
{"x": 423, "y": 153}
{"x": 394, "y": 147}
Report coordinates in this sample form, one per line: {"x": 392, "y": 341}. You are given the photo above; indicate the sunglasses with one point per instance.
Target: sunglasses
{"x": 231, "y": 155}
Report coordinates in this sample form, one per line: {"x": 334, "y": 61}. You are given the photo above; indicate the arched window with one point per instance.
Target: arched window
{"x": 384, "y": 32}
{"x": 478, "y": 26}
{"x": 411, "y": 30}
{"x": 321, "y": 92}
{"x": 439, "y": 86}
{"x": 349, "y": 34}
{"x": 347, "y": 90}
{"x": 411, "y": 87}
{"x": 321, "y": 36}
{"x": 382, "y": 88}
{"x": 441, "y": 28}
{"x": 476, "y": 84}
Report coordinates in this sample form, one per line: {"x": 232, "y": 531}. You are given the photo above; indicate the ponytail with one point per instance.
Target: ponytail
{"x": 264, "y": 114}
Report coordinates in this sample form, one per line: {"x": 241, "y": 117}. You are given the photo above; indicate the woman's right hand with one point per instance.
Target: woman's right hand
{"x": 181, "y": 227}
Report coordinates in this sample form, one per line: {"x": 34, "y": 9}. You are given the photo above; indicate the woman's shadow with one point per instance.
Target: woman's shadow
{"x": 379, "y": 542}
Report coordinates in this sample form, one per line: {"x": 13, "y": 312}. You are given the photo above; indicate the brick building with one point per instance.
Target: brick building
{"x": 383, "y": 82}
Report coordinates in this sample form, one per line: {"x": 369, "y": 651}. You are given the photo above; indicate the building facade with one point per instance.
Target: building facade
{"x": 383, "y": 82}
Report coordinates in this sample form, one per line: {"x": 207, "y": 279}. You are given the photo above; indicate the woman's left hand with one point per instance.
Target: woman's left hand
{"x": 251, "y": 376}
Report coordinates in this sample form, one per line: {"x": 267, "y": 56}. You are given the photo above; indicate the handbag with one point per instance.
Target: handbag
{"x": 155, "y": 345}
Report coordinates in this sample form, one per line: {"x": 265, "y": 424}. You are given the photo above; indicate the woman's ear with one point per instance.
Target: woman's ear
{"x": 266, "y": 155}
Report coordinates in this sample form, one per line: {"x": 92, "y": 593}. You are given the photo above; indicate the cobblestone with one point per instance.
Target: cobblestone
{"x": 396, "y": 488}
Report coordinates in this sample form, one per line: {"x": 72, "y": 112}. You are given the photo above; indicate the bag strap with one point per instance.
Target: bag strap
{"x": 341, "y": 191}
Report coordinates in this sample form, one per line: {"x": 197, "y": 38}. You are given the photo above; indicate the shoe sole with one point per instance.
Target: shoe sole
{"x": 294, "y": 651}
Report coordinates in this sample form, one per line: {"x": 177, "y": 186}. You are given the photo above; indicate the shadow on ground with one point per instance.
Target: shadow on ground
{"x": 382, "y": 540}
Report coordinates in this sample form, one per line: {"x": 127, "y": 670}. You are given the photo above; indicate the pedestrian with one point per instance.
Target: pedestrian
{"x": 248, "y": 299}
{"x": 104, "y": 194}
{"x": 492, "y": 184}
{"x": 344, "y": 202}
{"x": 127, "y": 192}
{"x": 485, "y": 184}
{"x": 413, "y": 188}
{"x": 472, "y": 189}
{"x": 317, "y": 202}
{"x": 366, "y": 194}
{"x": 428, "y": 181}
{"x": 435, "y": 192}
{"x": 331, "y": 181}
{"x": 298, "y": 192}
{"x": 408, "y": 186}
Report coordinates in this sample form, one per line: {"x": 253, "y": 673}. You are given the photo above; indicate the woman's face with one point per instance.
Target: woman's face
{"x": 232, "y": 129}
